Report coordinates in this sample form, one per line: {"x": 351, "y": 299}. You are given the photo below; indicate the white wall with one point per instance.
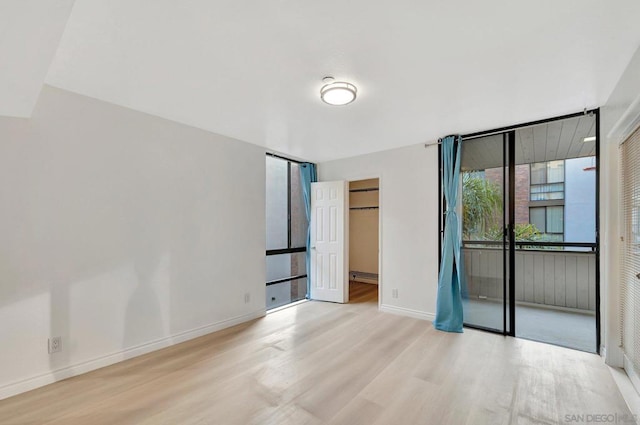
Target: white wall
{"x": 122, "y": 233}
{"x": 31, "y": 32}
{"x": 618, "y": 117}
{"x": 580, "y": 201}
{"x": 409, "y": 221}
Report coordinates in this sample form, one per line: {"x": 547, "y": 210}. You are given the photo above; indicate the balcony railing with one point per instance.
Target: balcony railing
{"x": 555, "y": 274}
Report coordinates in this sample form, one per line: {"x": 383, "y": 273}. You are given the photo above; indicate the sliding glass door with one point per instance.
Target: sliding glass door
{"x": 529, "y": 216}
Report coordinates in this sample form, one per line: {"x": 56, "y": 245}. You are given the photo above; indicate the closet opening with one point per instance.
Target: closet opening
{"x": 364, "y": 241}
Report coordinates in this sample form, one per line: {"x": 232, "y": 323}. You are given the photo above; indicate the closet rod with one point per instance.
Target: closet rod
{"x": 366, "y": 189}
{"x": 364, "y": 208}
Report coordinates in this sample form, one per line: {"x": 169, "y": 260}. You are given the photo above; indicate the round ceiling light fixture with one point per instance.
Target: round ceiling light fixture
{"x": 337, "y": 93}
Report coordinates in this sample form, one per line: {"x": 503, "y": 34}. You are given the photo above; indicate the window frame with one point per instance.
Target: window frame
{"x": 289, "y": 249}
{"x": 544, "y": 231}
{"x": 560, "y": 201}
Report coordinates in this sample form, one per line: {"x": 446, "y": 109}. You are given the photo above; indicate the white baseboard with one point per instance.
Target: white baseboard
{"x": 627, "y": 389}
{"x": 635, "y": 380}
{"x": 38, "y": 381}
{"x": 416, "y": 314}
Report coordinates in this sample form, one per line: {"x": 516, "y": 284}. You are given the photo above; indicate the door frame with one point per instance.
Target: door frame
{"x": 510, "y": 130}
{"x": 378, "y": 176}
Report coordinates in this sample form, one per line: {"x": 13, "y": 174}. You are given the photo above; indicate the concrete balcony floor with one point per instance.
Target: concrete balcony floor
{"x": 572, "y": 329}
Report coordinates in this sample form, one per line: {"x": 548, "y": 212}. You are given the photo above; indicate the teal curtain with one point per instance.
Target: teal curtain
{"x": 308, "y": 176}
{"x": 449, "y": 315}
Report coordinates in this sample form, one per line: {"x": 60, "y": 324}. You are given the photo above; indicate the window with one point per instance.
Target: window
{"x": 629, "y": 276}
{"x": 547, "y": 181}
{"x": 549, "y": 221}
{"x": 277, "y": 203}
{"x": 547, "y": 197}
{"x": 635, "y": 225}
{"x": 286, "y": 233}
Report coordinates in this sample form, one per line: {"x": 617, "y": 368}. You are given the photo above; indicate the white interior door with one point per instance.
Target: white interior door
{"x": 329, "y": 241}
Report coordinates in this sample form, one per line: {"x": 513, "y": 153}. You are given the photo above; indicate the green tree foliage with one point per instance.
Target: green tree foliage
{"x": 527, "y": 232}
{"x": 482, "y": 212}
{"x": 481, "y": 205}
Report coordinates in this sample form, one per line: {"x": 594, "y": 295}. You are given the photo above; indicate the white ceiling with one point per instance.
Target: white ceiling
{"x": 252, "y": 69}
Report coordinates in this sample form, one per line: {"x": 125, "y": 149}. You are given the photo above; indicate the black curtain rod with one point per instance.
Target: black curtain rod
{"x": 527, "y": 124}
{"x": 515, "y": 127}
{"x": 450, "y": 135}
{"x": 285, "y": 158}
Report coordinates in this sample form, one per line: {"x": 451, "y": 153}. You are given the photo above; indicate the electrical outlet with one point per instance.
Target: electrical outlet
{"x": 55, "y": 344}
{"x": 247, "y": 297}
{"x": 394, "y": 293}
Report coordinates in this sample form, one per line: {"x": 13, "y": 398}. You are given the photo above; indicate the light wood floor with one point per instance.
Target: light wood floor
{"x": 320, "y": 363}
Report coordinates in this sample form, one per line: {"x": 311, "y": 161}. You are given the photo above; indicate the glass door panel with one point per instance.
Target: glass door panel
{"x": 484, "y": 180}
{"x": 555, "y": 233}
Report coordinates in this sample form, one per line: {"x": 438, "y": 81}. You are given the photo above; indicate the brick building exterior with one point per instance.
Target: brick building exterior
{"x": 522, "y": 189}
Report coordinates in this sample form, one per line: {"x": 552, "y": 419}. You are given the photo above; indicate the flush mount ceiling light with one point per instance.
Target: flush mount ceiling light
{"x": 589, "y": 139}
{"x": 337, "y": 93}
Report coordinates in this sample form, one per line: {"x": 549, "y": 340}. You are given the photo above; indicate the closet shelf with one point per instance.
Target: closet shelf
{"x": 366, "y": 189}
{"x": 365, "y": 275}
